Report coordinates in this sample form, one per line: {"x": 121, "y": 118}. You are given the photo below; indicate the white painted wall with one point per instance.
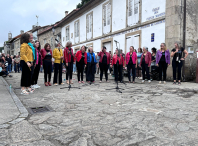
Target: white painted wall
{"x": 159, "y": 31}
{"x": 118, "y": 23}
{"x": 149, "y": 5}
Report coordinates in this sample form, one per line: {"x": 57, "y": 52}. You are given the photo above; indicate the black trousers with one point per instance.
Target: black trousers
{"x": 58, "y": 72}
{"x": 47, "y": 65}
{"x": 26, "y": 74}
{"x": 145, "y": 68}
{"x": 91, "y": 69}
{"x": 118, "y": 72}
{"x": 80, "y": 69}
{"x": 103, "y": 68}
{"x": 162, "y": 68}
{"x": 69, "y": 69}
{"x": 129, "y": 67}
{"x": 176, "y": 65}
{"x": 32, "y": 73}
{"x": 36, "y": 74}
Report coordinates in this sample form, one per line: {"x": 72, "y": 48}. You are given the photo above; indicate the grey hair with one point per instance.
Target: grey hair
{"x": 68, "y": 44}
{"x": 146, "y": 48}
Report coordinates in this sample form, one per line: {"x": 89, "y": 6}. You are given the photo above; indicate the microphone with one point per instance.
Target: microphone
{"x": 56, "y": 40}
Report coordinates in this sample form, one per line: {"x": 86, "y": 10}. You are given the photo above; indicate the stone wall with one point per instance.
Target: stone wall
{"x": 174, "y": 32}
{"x": 50, "y": 38}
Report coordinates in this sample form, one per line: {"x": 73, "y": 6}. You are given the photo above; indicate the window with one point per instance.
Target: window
{"x": 89, "y": 25}
{"x": 107, "y": 17}
{"x": 133, "y": 12}
{"x": 67, "y": 33}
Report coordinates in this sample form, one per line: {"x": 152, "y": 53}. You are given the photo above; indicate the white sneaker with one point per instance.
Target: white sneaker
{"x": 164, "y": 82}
{"x": 32, "y": 87}
{"x": 143, "y": 81}
{"x": 37, "y": 86}
{"x": 149, "y": 81}
{"x": 110, "y": 74}
{"x": 140, "y": 78}
{"x": 160, "y": 82}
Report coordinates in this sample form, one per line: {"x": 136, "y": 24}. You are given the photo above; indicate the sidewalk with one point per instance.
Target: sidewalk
{"x": 12, "y": 110}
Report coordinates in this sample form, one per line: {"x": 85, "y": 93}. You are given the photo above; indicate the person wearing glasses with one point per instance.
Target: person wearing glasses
{"x": 163, "y": 61}
{"x": 131, "y": 62}
{"x": 104, "y": 62}
{"x": 46, "y": 54}
{"x": 177, "y": 61}
{"x": 145, "y": 63}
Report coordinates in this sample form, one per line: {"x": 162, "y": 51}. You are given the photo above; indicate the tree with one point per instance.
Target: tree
{"x": 83, "y": 2}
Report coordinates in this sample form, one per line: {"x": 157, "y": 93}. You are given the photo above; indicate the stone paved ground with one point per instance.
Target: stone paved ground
{"x": 143, "y": 115}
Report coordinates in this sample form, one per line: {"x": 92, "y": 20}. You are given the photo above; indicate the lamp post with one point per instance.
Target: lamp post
{"x": 37, "y": 19}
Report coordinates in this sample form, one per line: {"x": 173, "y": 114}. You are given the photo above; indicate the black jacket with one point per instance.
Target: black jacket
{"x": 9, "y": 60}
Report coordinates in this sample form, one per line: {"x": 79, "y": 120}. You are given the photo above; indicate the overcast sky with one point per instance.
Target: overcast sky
{"x": 16, "y": 15}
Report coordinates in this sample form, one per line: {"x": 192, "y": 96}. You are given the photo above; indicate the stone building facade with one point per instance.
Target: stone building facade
{"x": 46, "y": 36}
{"x": 174, "y": 32}
{"x": 136, "y": 25}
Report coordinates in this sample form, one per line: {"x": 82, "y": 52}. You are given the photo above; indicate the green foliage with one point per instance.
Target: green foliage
{"x": 83, "y": 2}
{"x": 1, "y": 48}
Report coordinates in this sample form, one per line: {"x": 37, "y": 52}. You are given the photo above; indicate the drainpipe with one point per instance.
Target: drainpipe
{"x": 184, "y": 39}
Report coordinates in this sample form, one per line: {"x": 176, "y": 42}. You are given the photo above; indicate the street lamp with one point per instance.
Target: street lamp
{"x": 37, "y": 19}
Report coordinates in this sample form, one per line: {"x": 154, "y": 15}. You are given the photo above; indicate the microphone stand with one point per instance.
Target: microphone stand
{"x": 69, "y": 87}
{"x": 117, "y": 87}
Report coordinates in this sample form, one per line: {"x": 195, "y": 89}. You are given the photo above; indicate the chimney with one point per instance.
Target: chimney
{"x": 66, "y": 13}
{"x": 22, "y": 31}
{"x": 9, "y": 36}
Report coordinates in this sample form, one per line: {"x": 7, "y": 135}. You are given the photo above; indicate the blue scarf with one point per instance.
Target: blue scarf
{"x": 33, "y": 49}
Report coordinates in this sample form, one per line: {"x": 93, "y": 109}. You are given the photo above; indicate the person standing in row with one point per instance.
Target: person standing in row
{"x": 34, "y": 57}
{"x": 104, "y": 62}
{"x": 177, "y": 61}
{"x": 26, "y": 63}
{"x": 91, "y": 65}
{"x": 81, "y": 62}
{"x": 58, "y": 56}
{"x": 139, "y": 54}
{"x": 38, "y": 64}
{"x": 163, "y": 61}
{"x": 97, "y": 67}
{"x": 69, "y": 60}
{"x": 118, "y": 63}
{"x": 131, "y": 62}
{"x": 145, "y": 63}
{"x": 46, "y": 54}
{"x": 17, "y": 64}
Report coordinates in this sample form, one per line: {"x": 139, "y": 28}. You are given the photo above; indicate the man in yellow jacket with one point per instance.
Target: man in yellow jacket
{"x": 58, "y": 56}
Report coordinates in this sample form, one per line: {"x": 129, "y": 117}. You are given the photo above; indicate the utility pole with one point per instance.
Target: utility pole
{"x": 184, "y": 39}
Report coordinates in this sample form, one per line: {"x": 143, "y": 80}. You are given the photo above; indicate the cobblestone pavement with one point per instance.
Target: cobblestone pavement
{"x": 143, "y": 115}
